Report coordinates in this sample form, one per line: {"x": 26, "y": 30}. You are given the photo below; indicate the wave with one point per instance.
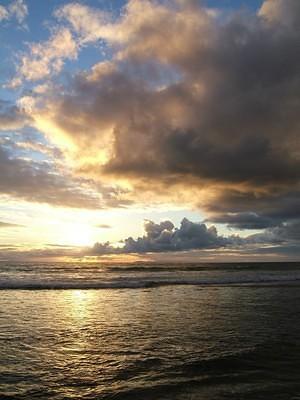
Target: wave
{"x": 140, "y": 283}
{"x": 188, "y": 267}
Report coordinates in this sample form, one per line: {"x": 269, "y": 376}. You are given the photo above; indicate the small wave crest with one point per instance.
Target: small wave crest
{"x": 140, "y": 283}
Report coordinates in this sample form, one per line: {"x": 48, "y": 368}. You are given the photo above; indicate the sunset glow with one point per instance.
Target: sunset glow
{"x": 125, "y": 135}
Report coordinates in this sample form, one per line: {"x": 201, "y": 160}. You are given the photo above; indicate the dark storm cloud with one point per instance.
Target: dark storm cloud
{"x": 285, "y": 233}
{"x": 246, "y": 220}
{"x": 243, "y": 129}
{"x": 227, "y": 120}
{"x": 271, "y": 208}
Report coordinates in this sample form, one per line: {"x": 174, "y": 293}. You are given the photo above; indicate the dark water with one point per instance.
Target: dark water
{"x": 155, "y": 332}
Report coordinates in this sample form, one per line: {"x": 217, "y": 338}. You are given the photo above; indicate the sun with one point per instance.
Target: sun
{"x": 77, "y": 235}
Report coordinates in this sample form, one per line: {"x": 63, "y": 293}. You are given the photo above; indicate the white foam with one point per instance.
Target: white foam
{"x": 38, "y": 284}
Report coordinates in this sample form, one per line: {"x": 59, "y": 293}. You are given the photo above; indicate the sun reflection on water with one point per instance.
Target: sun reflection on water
{"x": 78, "y": 304}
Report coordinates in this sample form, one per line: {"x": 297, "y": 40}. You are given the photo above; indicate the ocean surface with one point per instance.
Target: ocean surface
{"x": 144, "y": 331}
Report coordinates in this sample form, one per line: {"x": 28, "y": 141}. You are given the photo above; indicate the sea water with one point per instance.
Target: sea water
{"x": 145, "y": 331}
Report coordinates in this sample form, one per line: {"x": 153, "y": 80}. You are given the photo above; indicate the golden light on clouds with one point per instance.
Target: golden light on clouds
{"x": 180, "y": 106}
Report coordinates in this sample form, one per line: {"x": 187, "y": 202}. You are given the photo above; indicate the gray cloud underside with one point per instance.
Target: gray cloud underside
{"x": 38, "y": 182}
{"x": 230, "y": 119}
{"x": 164, "y": 237}
{"x": 271, "y": 209}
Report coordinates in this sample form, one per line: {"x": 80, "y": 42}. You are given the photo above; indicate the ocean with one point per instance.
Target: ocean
{"x": 150, "y": 331}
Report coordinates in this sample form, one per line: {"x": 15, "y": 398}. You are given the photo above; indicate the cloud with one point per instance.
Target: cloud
{"x": 19, "y": 10}
{"x": 189, "y": 242}
{"x": 288, "y": 233}
{"x": 164, "y": 237}
{"x": 203, "y": 104}
{"x": 89, "y": 24}
{"x": 202, "y": 110}
{"x": 16, "y": 9}
{"x": 281, "y": 12}
{"x": 46, "y": 252}
{"x": 43, "y": 148}
{"x": 47, "y": 58}
{"x": 271, "y": 208}
{"x": 3, "y": 13}
{"x": 103, "y": 226}
{"x": 11, "y": 117}
{"x": 247, "y": 220}
{"x": 9, "y": 225}
{"x": 40, "y": 182}
{"x": 191, "y": 237}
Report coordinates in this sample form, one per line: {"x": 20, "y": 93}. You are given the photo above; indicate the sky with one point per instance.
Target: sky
{"x": 150, "y": 130}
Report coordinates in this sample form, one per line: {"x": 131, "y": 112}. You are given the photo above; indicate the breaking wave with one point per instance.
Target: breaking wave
{"x": 144, "y": 283}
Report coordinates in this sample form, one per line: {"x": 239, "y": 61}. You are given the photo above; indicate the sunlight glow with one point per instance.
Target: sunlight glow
{"x": 77, "y": 234}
